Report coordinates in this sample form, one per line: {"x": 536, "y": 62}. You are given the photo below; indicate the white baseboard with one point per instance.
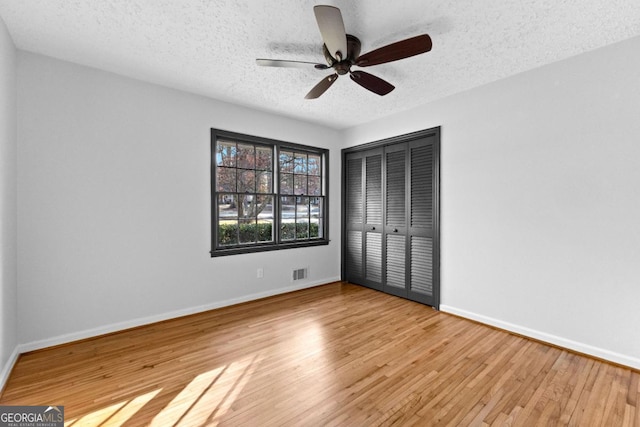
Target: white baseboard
{"x": 622, "y": 359}
{"x": 8, "y": 367}
{"x": 115, "y": 327}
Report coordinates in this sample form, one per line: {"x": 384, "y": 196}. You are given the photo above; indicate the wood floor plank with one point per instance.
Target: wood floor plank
{"x": 333, "y": 355}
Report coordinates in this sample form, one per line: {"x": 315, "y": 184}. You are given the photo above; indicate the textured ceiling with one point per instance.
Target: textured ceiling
{"x": 209, "y": 47}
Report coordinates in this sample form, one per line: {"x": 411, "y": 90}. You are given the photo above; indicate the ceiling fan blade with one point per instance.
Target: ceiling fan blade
{"x": 395, "y": 51}
{"x": 332, "y": 29}
{"x": 371, "y": 82}
{"x": 290, "y": 64}
{"x": 321, "y": 87}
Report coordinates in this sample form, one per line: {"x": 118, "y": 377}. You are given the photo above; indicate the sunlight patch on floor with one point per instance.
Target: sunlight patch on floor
{"x": 209, "y": 396}
{"x": 113, "y": 415}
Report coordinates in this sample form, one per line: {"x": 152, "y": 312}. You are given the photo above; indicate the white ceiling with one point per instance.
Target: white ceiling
{"x": 209, "y": 47}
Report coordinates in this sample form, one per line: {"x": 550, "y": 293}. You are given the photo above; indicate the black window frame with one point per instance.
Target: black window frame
{"x": 277, "y": 243}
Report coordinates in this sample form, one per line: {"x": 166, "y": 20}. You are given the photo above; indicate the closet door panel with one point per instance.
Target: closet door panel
{"x": 395, "y": 262}
{"x": 395, "y": 187}
{"x": 354, "y": 255}
{"x": 363, "y": 218}
{"x": 354, "y": 217}
{"x": 373, "y": 257}
{"x": 421, "y": 186}
{"x": 395, "y": 219}
{"x": 373, "y": 218}
{"x": 421, "y": 279}
{"x": 354, "y": 190}
{"x": 420, "y": 250}
{"x": 373, "y": 189}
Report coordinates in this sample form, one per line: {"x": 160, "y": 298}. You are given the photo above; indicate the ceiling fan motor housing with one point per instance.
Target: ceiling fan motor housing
{"x": 343, "y": 66}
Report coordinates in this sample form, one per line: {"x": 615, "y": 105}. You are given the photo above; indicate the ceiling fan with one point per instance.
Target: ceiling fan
{"x": 342, "y": 51}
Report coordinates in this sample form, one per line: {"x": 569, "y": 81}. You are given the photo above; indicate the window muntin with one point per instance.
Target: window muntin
{"x": 266, "y": 194}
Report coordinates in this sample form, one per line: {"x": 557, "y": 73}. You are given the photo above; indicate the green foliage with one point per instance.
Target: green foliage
{"x": 313, "y": 230}
{"x": 300, "y": 230}
{"x": 228, "y": 234}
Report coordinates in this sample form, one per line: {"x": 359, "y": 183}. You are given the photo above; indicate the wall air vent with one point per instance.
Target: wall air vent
{"x": 300, "y": 273}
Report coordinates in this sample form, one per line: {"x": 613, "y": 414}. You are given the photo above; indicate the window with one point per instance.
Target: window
{"x": 266, "y": 194}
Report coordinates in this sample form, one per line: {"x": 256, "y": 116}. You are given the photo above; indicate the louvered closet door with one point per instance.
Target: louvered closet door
{"x": 395, "y": 228}
{"x": 422, "y": 254}
{"x": 363, "y": 218}
{"x": 391, "y": 239}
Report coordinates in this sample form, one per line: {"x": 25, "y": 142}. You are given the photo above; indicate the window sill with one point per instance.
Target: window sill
{"x": 267, "y": 247}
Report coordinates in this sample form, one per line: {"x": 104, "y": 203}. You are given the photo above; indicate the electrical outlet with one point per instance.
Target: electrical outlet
{"x": 260, "y": 273}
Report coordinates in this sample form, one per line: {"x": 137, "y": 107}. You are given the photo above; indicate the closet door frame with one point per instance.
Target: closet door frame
{"x": 427, "y": 133}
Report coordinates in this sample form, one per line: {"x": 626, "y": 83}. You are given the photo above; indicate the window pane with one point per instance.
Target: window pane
{"x": 300, "y": 163}
{"x": 225, "y": 153}
{"x": 286, "y": 183}
{"x": 263, "y": 182}
{"x": 226, "y": 179}
{"x": 316, "y": 207}
{"x": 302, "y": 208}
{"x": 265, "y": 231}
{"x": 315, "y": 225}
{"x": 264, "y": 158}
{"x": 248, "y": 231}
{"x": 265, "y": 208}
{"x": 287, "y": 218}
{"x": 227, "y": 233}
{"x": 315, "y": 228}
{"x": 286, "y": 161}
{"x": 302, "y": 229}
{"x": 314, "y": 165}
{"x": 246, "y": 181}
{"x": 300, "y": 184}
{"x": 315, "y": 186}
{"x": 288, "y": 231}
{"x": 227, "y": 207}
{"x": 302, "y": 218}
{"x": 246, "y": 156}
{"x": 248, "y": 208}
{"x": 288, "y": 207}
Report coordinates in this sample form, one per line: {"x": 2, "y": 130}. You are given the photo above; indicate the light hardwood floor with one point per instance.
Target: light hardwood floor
{"x": 333, "y": 355}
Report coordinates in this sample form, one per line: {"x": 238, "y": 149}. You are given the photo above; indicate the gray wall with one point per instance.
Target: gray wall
{"x": 541, "y": 200}
{"x": 8, "y": 203}
{"x": 114, "y": 206}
